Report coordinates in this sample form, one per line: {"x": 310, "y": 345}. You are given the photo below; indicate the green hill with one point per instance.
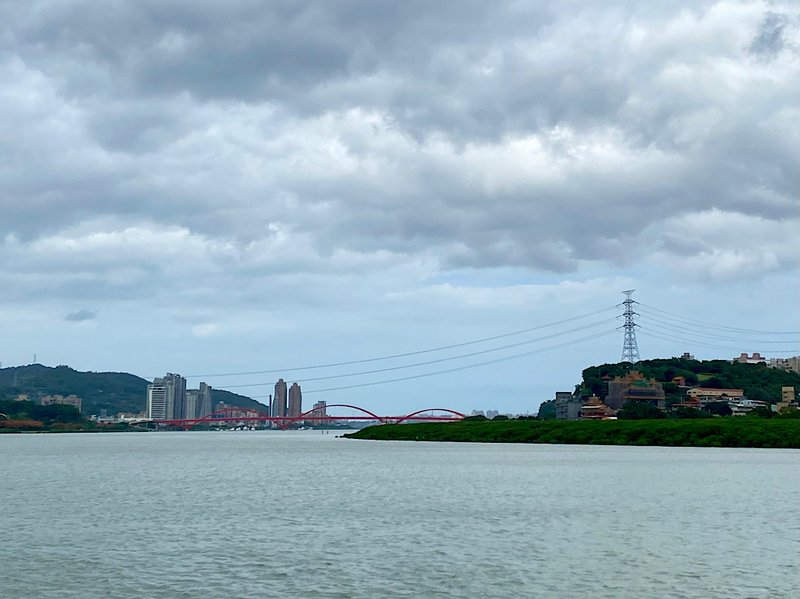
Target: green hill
{"x": 757, "y": 380}
{"x": 110, "y": 391}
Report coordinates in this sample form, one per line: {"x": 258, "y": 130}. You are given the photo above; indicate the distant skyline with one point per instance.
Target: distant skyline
{"x": 208, "y": 188}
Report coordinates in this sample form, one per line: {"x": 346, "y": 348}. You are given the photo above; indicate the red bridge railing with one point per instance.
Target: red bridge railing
{"x": 246, "y": 415}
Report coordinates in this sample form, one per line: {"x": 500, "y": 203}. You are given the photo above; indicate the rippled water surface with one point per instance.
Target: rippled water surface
{"x": 269, "y": 514}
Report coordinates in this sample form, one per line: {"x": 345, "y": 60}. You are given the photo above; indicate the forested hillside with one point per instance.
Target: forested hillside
{"x": 110, "y": 391}
{"x": 758, "y": 381}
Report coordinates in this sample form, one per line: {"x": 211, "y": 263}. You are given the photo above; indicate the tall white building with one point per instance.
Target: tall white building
{"x": 157, "y": 400}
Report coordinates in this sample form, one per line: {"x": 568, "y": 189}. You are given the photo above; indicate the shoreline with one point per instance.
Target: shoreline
{"x": 741, "y": 432}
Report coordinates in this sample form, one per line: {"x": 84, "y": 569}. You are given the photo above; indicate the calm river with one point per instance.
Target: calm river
{"x": 270, "y": 514}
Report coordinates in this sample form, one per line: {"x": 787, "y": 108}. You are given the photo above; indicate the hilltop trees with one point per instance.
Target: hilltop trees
{"x": 758, "y": 381}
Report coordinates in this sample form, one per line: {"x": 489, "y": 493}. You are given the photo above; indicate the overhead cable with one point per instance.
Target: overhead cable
{"x": 669, "y": 326}
{"x": 406, "y": 354}
{"x": 675, "y": 338}
{"x": 459, "y": 368}
{"x": 466, "y": 367}
{"x": 437, "y": 361}
{"x": 716, "y": 326}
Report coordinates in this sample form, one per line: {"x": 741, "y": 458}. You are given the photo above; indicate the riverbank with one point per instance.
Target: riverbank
{"x": 711, "y": 432}
{"x": 35, "y": 428}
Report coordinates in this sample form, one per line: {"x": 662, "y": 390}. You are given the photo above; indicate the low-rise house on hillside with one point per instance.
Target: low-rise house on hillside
{"x": 787, "y": 364}
{"x": 756, "y": 358}
{"x": 691, "y": 402}
{"x": 705, "y": 395}
{"x": 567, "y": 406}
{"x": 743, "y": 406}
{"x": 69, "y": 400}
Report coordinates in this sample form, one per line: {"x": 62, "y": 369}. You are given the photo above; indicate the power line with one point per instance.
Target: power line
{"x": 476, "y": 365}
{"x": 673, "y": 337}
{"x": 665, "y": 337}
{"x": 406, "y": 354}
{"x": 437, "y": 361}
{"x": 460, "y": 368}
{"x": 672, "y": 325}
{"x": 715, "y": 326}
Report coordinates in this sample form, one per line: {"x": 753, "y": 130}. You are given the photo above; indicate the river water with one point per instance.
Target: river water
{"x": 301, "y": 514}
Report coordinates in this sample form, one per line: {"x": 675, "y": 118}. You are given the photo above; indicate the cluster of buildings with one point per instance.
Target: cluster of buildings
{"x": 621, "y": 390}
{"x": 788, "y": 364}
{"x": 287, "y": 402}
{"x": 634, "y": 387}
{"x": 68, "y": 400}
{"x": 47, "y": 400}
{"x": 169, "y": 399}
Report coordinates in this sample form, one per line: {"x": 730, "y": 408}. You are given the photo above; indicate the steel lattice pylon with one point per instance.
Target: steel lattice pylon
{"x": 630, "y": 349}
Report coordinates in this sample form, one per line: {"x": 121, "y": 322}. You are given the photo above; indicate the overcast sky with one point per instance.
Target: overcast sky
{"x": 219, "y": 187}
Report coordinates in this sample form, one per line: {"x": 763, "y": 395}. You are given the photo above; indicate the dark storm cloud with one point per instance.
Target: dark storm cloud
{"x": 465, "y": 134}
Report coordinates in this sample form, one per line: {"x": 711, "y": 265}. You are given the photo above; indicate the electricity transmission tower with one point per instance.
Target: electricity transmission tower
{"x": 630, "y": 350}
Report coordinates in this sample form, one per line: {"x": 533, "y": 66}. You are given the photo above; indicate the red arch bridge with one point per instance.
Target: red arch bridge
{"x": 238, "y": 415}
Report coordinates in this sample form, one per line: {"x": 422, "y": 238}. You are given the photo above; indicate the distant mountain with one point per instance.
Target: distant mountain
{"x": 110, "y": 391}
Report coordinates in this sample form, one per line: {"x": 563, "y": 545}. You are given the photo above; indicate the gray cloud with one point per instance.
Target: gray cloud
{"x": 769, "y": 39}
{"x": 81, "y": 315}
{"x": 176, "y": 138}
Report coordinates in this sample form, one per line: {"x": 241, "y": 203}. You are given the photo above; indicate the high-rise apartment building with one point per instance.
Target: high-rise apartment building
{"x": 204, "y": 401}
{"x": 178, "y": 385}
{"x": 166, "y": 397}
{"x": 279, "y": 407}
{"x": 295, "y": 401}
{"x": 192, "y": 401}
{"x": 157, "y": 400}
{"x": 320, "y": 411}
{"x": 198, "y": 402}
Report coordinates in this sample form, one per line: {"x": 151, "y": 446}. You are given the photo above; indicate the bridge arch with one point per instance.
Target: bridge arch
{"x": 283, "y": 422}
{"x": 309, "y": 414}
{"x": 418, "y": 412}
{"x": 250, "y": 413}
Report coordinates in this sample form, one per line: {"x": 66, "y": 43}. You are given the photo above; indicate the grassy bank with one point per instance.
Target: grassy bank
{"x": 712, "y": 432}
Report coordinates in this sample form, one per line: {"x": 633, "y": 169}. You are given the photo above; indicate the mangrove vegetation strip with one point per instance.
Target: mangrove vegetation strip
{"x": 711, "y": 432}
